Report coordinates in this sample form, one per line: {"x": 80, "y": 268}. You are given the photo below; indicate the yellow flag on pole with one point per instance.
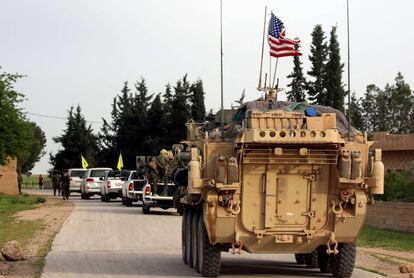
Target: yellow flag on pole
{"x": 120, "y": 164}
{"x": 84, "y": 162}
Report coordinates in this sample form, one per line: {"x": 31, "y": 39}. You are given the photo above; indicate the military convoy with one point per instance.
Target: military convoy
{"x": 281, "y": 179}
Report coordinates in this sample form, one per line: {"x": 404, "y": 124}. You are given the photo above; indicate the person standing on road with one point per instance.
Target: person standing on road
{"x": 56, "y": 183}
{"x": 40, "y": 182}
{"x": 65, "y": 184}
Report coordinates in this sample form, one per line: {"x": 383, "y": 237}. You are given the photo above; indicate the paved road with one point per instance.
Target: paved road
{"x": 109, "y": 240}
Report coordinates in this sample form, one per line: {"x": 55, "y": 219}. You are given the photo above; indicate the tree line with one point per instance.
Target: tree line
{"x": 19, "y": 138}
{"x": 389, "y": 109}
{"x": 140, "y": 124}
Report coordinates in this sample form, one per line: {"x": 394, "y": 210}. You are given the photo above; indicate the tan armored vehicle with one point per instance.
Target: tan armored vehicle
{"x": 277, "y": 181}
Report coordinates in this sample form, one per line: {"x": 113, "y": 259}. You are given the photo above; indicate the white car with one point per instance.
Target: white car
{"x": 111, "y": 186}
{"x": 91, "y": 184}
{"x": 132, "y": 188}
{"x": 76, "y": 176}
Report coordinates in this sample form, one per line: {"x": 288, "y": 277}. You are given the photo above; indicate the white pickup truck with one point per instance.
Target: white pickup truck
{"x": 132, "y": 188}
{"x": 111, "y": 187}
{"x": 162, "y": 199}
{"x": 91, "y": 184}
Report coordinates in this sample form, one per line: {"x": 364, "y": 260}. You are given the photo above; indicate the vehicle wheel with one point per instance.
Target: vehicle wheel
{"x": 102, "y": 198}
{"x": 311, "y": 259}
{"x": 183, "y": 237}
{"x": 209, "y": 256}
{"x": 180, "y": 210}
{"x": 146, "y": 209}
{"x": 128, "y": 202}
{"x": 123, "y": 201}
{"x": 82, "y": 196}
{"x": 87, "y": 196}
{"x": 300, "y": 258}
{"x": 107, "y": 198}
{"x": 188, "y": 241}
{"x": 344, "y": 262}
{"x": 324, "y": 261}
{"x": 194, "y": 245}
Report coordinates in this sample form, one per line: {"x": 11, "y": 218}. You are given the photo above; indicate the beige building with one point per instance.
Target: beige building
{"x": 397, "y": 150}
{"x": 8, "y": 178}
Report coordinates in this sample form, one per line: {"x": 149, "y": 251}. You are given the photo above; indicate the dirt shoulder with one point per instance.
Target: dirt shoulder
{"x": 52, "y": 214}
{"x": 385, "y": 262}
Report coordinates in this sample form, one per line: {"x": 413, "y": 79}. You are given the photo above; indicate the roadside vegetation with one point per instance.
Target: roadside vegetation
{"x": 12, "y": 229}
{"x": 386, "y": 239}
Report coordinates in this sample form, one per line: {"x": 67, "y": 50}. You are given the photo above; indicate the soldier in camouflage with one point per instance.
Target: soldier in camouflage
{"x": 153, "y": 175}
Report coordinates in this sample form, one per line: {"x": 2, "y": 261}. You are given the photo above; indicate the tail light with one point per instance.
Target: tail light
{"x": 89, "y": 180}
{"x": 108, "y": 184}
{"x": 147, "y": 190}
{"x": 131, "y": 186}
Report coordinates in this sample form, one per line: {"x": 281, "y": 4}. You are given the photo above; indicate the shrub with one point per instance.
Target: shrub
{"x": 40, "y": 200}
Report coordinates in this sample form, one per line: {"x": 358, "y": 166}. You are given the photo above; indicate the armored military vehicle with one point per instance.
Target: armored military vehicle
{"x": 281, "y": 179}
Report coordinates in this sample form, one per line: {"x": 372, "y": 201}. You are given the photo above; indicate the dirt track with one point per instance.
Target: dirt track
{"x": 109, "y": 240}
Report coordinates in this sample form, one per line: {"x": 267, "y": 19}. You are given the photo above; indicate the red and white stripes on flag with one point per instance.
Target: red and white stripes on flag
{"x": 283, "y": 47}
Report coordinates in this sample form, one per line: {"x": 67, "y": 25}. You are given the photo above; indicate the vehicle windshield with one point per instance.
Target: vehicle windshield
{"x": 98, "y": 173}
{"x": 115, "y": 174}
{"x": 78, "y": 173}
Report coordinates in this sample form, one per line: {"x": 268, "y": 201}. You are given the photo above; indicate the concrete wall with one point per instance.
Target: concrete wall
{"x": 8, "y": 178}
{"x": 391, "y": 215}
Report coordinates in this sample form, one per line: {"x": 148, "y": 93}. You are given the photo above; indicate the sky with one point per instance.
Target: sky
{"x": 81, "y": 51}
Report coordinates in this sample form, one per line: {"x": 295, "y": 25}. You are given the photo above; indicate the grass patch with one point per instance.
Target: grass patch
{"x": 392, "y": 240}
{"x": 40, "y": 263}
{"x": 10, "y": 229}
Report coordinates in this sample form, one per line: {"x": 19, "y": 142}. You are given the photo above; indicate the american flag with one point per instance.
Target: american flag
{"x": 279, "y": 45}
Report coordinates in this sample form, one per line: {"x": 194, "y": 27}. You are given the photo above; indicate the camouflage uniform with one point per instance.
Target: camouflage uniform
{"x": 153, "y": 175}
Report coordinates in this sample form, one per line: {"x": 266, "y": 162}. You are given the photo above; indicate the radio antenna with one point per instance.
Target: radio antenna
{"x": 259, "y": 86}
{"x": 221, "y": 65}
{"x": 349, "y": 73}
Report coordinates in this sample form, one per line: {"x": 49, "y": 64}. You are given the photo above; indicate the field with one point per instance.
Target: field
{"x": 12, "y": 229}
{"x": 386, "y": 239}
{"x": 30, "y": 182}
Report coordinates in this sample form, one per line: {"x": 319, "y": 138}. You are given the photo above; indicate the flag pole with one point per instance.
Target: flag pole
{"x": 349, "y": 72}
{"x": 221, "y": 65}
{"x": 261, "y": 58}
{"x": 274, "y": 74}
{"x": 270, "y": 71}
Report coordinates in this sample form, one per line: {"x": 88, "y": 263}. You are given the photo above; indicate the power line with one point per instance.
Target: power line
{"x": 59, "y": 118}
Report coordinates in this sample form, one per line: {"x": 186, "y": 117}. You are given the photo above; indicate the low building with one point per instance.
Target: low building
{"x": 397, "y": 150}
{"x": 8, "y": 178}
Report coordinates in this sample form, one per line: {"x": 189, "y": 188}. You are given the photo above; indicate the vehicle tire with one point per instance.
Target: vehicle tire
{"x": 180, "y": 210}
{"x": 146, "y": 209}
{"x": 107, "y": 198}
{"x": 344, "y": 262}
{"x": 128, "y": 202}
{"x": 188, "y": 241}
{"x": 123, "y": 201}
{"x": 311, "y": 259}
{"x": 82, "y": 196}
{"x": 183, "y": 237}
{"x": 102, "y": 198}
{"x": 209, "y": 256}
{"x": 87, "y": 196}
{"x": 300, "y": 258}
{"x": 194, "y": 245}
{"x": 324, "y": 260}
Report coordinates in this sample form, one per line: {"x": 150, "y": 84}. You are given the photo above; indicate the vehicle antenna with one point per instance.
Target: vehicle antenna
{"x": 259, "y": 87}
{"x": 274, "y": 74}
{"x": 349, "y": 73}
{"x": 221, "y": 66}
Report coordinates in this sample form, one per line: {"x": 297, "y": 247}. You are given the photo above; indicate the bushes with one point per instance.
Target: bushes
{"x": 399, "y": 186}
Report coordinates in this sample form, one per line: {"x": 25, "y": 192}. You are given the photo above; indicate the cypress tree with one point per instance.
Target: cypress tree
{"x": 356, "y": 113}
{"x": 298, "y": 83}
{"x": 198, "y": 109}
{"x": 77, "y": 139}
{"x": 318, "y": 57}
{"x": 335, "y": 92}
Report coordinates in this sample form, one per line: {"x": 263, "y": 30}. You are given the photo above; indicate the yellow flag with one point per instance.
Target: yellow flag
{"x": 120, "y": 164}
{"x": 84, "y": 162}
